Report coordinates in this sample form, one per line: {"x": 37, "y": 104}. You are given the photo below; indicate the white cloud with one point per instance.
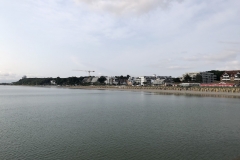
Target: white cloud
{"x": 224, "y": 56}
{"x": 7, "y": 77}
{"x": 178, "y": 67}
{"x": 231, "y": 65}
{"x": 228, "y": 42}
{"x": 127, "y": 6}
{"x": 220, "y": 57}
{"x": 191, "y": 58}
{"x": 7, "y": 74}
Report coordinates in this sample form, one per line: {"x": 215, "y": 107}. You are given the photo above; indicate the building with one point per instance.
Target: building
{"x": 231, "y": 76}
{"x": 193, "y": 75}
{"x": 94, "y": 80}
{"x": 53, "y": 82}
{"x": 111, "y": 81}
{"x": 87, "y": 80}
{"x": 145, "y": 80}
{"x": 162, "y": 80}
{"x": 207, "y": 77}
{"x": 151, "y": 80}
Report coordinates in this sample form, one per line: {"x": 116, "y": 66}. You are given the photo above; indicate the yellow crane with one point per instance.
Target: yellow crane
{"x": 85, "y": 71}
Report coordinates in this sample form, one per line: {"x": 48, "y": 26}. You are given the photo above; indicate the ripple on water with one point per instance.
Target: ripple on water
{"x": 80, "y": 124}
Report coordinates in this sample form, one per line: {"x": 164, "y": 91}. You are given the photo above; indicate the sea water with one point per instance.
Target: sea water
{"x": 55, "y": 123}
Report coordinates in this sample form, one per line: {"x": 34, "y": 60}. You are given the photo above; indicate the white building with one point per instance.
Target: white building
{"x": 152, "y": 80}
{"x": 142, "y": 80}
{"x": 162, "y": 80}
{"x": 94, "y": 80}
{"x": 53, "y": 82}
{"x": 191, "y": 74}
{"x": 111, "y": 80}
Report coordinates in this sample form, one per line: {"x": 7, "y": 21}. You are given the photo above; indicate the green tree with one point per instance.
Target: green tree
{"x": 199, "y": 78}
{"x": 187, "y": 78}
{"x": 58, "y": 81}
{"x": 176, "y": 80}
{"x": 102, "y": 79}
{"x": 217, "y": 73}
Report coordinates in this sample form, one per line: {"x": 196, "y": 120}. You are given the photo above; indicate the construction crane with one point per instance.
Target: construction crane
{"x": 85, "y": 71}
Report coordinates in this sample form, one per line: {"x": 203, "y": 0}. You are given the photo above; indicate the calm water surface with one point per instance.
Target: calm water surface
{"x": 51, "y": 123}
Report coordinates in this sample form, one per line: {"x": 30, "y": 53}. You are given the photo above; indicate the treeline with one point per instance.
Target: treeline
{"x": 5, "y": 84}
{"x": 34, "y": 81}
{"x": 59, "y": 81}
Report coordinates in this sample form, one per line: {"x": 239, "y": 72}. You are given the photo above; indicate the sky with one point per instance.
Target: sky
{"x": 51, "y": 38}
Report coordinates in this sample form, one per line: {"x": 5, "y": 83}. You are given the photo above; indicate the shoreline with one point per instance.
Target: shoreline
{"x": 163, "y": 92}
{"x": 206, "y": 92}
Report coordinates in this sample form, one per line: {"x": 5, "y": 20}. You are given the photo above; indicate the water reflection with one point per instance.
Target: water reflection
{"x": 199, "y": 95}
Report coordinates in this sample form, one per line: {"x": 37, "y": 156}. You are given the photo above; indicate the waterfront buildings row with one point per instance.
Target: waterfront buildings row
{"x": 204, "y": 78}
{"x": 140, "y": 81}
{"x": 231, "y": 76}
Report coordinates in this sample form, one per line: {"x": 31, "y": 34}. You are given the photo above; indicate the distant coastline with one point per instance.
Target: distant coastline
{"x": 227, "y": 92}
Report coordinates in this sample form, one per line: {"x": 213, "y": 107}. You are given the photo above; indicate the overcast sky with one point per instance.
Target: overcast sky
{"x": 50, "y": 38}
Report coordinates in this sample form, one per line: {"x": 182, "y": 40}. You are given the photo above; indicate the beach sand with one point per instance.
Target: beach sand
{"x": 164, "y": 92}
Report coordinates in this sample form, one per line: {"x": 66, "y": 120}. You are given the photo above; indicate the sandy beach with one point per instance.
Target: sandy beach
{"x": 163, "y": 91}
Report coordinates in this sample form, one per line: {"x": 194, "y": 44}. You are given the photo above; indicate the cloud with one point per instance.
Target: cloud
{"x": 193, "y": 58}
{"x": 228, "y": 42}
{"x": 224, "y": 56}
{"x": 178, "y": 67}
{"x": 231, "y": 65}
{"x": 7, "y": 77}
{"x": 7, "y": 74}
{"x": 127, "y": 6}
{"x": 221, "y": 57}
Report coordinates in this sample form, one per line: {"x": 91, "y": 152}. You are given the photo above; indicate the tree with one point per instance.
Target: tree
{"x": 199, "y": 78}
{"x": 217, "y": 73}
{"x": 187, "y": 78}
{"x": 176, "y": 80}
{"x": 58, "y": 81}
{"x": 102, "y": 79}
{"x": 145, "y": 83}
{"x": 121, "y": 79}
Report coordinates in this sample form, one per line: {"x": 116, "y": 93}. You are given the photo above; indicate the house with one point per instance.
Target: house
{"x": 145, "y": 80}
{"x": 163, "y": 80}
{"x": 111, "y": 81}
{"x": 121, "y": 80}
{"x": 152, "y": 80}
{"x": 193, "y": 75}
{"x": 87, "y": 80}
{"x": 53, "y": 82}
{"x": 94, "y": 80}
{"x": 231, "y": 76}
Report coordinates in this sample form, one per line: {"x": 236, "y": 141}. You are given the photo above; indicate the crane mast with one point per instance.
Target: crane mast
{"x": 85, "y": 71}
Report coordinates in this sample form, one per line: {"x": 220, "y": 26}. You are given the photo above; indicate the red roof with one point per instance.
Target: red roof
{"x": 231, "y": 73}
